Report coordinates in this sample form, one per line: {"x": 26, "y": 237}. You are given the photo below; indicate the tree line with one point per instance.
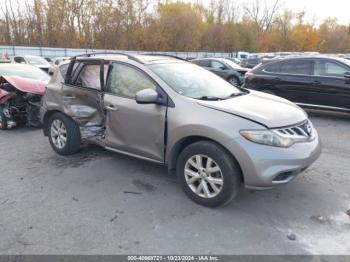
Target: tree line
{"x": 163, "y": 25}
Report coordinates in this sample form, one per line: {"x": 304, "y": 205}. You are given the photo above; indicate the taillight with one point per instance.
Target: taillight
{"x": 248, "y": 76}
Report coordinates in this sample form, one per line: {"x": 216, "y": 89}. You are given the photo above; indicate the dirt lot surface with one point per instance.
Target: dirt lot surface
{"x": 98, "y": 202}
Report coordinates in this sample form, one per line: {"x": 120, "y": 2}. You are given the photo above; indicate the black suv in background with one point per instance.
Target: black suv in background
{"x": 225, "y": 68}
{"x": 250, "y": 62}
{"x": 311, "y": 82}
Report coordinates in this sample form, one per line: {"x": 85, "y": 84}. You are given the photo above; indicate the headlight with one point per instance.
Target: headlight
{"x": 267, "y": 137}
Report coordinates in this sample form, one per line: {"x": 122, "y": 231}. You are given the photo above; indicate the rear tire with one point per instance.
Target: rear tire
{"x": 234, "y": 81}
{"x": 64, "y": 134}
{"x": 3, "y": 122}
{"x": 208, "y": 174}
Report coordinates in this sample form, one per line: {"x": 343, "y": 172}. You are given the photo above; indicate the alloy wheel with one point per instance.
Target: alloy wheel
{"x": 203, "y": 175}
{"x": 233, "y": 81}
{"x": 58, "y": 134}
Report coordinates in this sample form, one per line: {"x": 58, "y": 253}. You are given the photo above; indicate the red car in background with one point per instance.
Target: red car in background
{"x": 21, "y": 89}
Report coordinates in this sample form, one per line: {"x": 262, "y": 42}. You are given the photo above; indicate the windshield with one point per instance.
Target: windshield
{"x": 232, "y": 64}
{"x": 345, "y": 61}
{"x": 26, "y": 72}
{"x": 194, "y": 81}
{"x": 36, "y": 60}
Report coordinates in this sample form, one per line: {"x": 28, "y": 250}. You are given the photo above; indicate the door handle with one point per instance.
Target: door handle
{"x": 69, "y": 97}
{"x": 277, "y": 79}
{"x": 316, "y": 83}
{"x": 111, "y": 108}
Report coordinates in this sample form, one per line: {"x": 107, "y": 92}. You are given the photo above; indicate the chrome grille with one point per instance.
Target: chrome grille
{"x": 304, "y": 130}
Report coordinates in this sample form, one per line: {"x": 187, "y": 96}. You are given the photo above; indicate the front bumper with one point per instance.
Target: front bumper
{"x": 265, "y": 167}
{"x": 241, "y": 80}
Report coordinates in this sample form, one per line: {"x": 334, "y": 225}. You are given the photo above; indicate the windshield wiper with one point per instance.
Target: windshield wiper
{"x": 209, "y": 98}
{"x": 236, "y": 94}
{"x": 214, "y": 98}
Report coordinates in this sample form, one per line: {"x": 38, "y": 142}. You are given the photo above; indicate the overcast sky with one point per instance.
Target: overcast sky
{"x": 316, "y": 10}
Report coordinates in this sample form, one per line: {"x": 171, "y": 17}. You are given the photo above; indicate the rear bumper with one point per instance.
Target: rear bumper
{"x": 42, "y": 119}
{"x": 265, "y": 167}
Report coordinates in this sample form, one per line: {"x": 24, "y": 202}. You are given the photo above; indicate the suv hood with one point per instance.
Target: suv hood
{"x": 268, "y": 110}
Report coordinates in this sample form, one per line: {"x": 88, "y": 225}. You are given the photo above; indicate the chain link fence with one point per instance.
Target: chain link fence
{"x": 10, "y": 51}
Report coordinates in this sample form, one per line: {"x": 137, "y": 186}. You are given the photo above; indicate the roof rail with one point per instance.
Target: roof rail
{"x": 160, "y": 54}
{"x": 131, "y": 57}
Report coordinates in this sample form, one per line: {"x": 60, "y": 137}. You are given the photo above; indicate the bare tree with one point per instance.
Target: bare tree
{"x": 263, "y": 16}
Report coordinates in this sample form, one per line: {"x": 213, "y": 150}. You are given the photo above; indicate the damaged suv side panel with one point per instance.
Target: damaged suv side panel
{"x": 103, "y": 109}
{"x": 82, "y": 103}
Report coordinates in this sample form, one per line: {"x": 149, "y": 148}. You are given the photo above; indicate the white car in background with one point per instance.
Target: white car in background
{"x": 58, "y": 60}
{"x": 33, "y": 60}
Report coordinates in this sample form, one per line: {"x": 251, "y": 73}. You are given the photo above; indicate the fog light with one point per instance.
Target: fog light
{"x": 283, "y": 177}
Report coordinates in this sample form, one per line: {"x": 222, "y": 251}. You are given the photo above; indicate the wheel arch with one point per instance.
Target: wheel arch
{"x": 233, "y": 74}
{"x": 186, "y": 141}
{"x": 47, "y": 116}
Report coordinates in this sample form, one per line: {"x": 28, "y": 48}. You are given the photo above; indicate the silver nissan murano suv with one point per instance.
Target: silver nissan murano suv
{"x": 217, "y": 137}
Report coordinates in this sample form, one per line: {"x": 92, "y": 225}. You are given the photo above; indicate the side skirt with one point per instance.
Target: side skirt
{"x": 134, "y": 155}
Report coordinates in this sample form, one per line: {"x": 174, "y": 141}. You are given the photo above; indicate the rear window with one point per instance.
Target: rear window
{"x": 64, "y": 68}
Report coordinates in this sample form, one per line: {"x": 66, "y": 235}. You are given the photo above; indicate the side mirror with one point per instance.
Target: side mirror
{"x": 147, "y": 96}
{"x": 347, "y": 75}
{"x": 222, "y": 67}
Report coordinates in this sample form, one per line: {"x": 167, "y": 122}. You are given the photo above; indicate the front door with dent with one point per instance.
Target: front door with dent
{"x": 82, "y": 99}
{"x": 131, "y": 127}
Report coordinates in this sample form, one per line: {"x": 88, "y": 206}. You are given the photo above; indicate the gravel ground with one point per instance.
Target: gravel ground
{"x": 98, "y": 202}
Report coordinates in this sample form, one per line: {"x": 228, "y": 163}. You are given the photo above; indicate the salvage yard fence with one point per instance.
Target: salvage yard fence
{"x": 62, "y": 52}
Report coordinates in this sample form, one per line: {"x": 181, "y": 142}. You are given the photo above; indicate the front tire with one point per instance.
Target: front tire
{"x": 208, "y": 174}
{"x": 234, "y": 81}
{"x": 64, "y": 134}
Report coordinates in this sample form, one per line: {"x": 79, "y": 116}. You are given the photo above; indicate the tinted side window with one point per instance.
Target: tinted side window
{"x": 327, "y": 68}
{"x": 217, "y": 65}
{"x": 297, "y": 67}
{"x": 126, "y": 81}
{"x": 205, "y": 63}
{"x": 273, "y": 68}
